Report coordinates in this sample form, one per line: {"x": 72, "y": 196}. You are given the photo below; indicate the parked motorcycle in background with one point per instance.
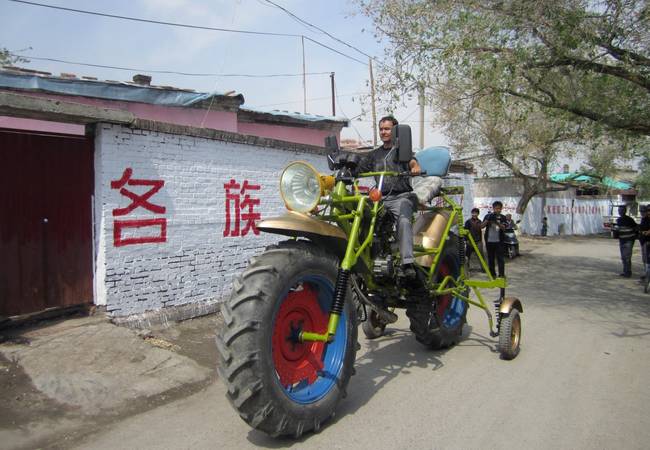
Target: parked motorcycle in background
{"x": 510, "y": 240}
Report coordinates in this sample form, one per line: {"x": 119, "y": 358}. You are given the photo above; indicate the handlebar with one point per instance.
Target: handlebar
{"x": 392, "y": 174}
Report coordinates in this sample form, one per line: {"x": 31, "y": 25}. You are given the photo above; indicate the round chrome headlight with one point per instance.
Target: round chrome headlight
{"x": 300, "y": 187}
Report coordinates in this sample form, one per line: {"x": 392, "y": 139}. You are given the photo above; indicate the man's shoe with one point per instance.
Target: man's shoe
{"x": 409, "y": 271}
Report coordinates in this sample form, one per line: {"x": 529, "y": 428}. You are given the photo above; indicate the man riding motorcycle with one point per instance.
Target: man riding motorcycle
{"x": 397, "y": 192}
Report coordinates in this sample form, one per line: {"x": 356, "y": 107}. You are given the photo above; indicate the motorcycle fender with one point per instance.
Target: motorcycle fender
{"x": 510, "y": 303}
{"x": 299, "y": 224}
{"x": 295, "y": 224}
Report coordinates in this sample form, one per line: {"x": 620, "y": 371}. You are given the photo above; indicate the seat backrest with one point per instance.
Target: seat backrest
{"x": 435, "y": 161}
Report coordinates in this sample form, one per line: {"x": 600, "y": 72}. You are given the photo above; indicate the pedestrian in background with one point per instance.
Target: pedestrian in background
{"x": 544, "y": 226}
{"x": 474, "y": 226}
{"x": 644, "y": 237}
{"x": 626, "y": 232}
{"x": 494, "y": 224}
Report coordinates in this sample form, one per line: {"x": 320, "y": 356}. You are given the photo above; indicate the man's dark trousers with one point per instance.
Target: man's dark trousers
{"x": 401, "y": 207}
{"x": 495, "y": 250}
{"x": 626, "y": 247}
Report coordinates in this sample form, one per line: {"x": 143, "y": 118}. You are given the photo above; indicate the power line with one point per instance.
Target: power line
{"x": 318, "y": 28}
{"x": 350, "y": 94}
{"x": 336, "y": 93}
{"x": 171, "y": 72}
{"x": 184, "y": 25}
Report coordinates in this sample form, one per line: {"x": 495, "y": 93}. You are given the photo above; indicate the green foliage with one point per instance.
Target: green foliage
{"x": 7, "y": 58}
{"x": 589, "y": 58}
{"x": 643, "y": 179}
{"x": 525, "y": 81}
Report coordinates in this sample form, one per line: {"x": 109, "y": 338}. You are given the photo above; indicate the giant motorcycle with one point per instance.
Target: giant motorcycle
{"x": 288, "y": 345}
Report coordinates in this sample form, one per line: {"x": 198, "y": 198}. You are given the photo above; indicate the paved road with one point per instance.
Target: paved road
{"x": 581, "y": 380}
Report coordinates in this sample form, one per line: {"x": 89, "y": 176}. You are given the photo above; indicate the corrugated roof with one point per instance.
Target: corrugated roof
{"x": 294, "y": 115}
{"x": 584, "y": 178}
{"x": 109, "y": 90}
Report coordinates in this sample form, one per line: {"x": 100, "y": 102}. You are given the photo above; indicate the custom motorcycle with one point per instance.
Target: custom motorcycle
{"x": 287, "y": 350}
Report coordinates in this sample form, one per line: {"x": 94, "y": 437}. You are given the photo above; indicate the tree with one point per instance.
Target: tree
{"x": 514, "y": 133}
{"x": 525, "y": 82}
{"x": 588, "y": 58}
{"x": 8, "y": 58}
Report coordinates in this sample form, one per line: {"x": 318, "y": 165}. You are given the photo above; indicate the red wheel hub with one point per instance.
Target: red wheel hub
{"x": 297, "y": 361}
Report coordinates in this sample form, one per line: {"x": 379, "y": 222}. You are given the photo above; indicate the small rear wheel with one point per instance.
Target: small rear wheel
{"x": 373, "y": 327}
{"x": 510, "y": 335}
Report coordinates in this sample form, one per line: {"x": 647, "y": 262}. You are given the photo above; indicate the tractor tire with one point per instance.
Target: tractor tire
{"x": 438, "y": 322}
{"x": 276, "y": 383}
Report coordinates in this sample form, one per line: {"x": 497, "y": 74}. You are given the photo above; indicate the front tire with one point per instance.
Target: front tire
{"x": 277, "y": 384}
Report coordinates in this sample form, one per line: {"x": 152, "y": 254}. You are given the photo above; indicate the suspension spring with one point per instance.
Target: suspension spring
{"x": 497, "y": 312}
{"x": 339, "y": 292}
{"x": 461, "y": 250}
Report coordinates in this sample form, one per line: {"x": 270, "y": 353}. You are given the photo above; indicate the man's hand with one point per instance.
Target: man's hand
{"x": 415, "y": 167}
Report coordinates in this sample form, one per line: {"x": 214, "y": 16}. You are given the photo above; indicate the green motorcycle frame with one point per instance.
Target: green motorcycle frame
{"x": 287, "y": 348}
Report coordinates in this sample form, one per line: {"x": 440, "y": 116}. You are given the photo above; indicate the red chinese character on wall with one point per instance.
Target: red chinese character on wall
{"x": 157, "y": 226}
{"x": 240, "y": 208}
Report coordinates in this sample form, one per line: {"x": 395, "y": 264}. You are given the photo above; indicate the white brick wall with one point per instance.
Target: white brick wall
{"x": 196, "y": 263}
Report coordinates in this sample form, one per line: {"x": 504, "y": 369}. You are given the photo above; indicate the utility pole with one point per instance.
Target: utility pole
{"x": 372, "y": 100}
{"x": 421, "y": 97}
{"x": 304, "y": 77}
{"x": 333, "y": 94}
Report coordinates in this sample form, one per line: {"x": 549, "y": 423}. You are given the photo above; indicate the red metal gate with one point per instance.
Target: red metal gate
{"x": 46, "y": 184}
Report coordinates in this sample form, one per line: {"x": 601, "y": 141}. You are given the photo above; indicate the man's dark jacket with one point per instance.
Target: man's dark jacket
{"x": 374, "y": 162}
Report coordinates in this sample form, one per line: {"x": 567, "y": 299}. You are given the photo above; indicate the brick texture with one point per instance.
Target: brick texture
{"x": 196, "y": 263}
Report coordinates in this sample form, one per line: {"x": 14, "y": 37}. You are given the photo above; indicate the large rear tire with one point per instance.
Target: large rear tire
{"x": 439, "y": 324}
{"x": 276, "y": 384}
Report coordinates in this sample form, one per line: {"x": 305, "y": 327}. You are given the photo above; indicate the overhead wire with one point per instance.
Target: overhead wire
{"x": 311, "y": 25}
{"x": 336, "y": 95}
{"x": 170, "y": 72}
{"x": 184, "y": 25}
{"x": 350, "y": 94}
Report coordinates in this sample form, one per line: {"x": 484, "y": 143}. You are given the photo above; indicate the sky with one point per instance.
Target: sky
{"x": 47, "y": 33}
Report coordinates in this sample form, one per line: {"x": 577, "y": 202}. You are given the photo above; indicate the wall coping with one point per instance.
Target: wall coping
{"x": 30, "y": 107}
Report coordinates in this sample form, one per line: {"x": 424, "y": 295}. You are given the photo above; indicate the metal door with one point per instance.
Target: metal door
{"x": 46, "y": 184}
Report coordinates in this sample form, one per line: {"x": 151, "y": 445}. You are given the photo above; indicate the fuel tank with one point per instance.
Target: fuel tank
{"x": 428, "y": 229}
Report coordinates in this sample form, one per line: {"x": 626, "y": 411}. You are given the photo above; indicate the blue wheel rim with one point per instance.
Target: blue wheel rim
{"x": 333, "y": 356}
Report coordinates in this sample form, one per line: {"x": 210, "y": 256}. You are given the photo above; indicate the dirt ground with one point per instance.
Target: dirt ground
{"x": 31, "y": 417}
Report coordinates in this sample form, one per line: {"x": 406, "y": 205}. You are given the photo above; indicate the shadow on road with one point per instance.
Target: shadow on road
{"x": 384, "y": 359}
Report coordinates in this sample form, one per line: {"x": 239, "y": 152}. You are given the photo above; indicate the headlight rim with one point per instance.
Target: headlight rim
{"x": 318, "y": 179}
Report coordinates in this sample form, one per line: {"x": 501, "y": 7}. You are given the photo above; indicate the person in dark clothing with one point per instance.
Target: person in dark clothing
{"x": 398, "y": 197}
{"x": 474, "y": 226}
{"x": 626, "y": 232}
{"x": 644, "y": 237}
{"x": 545, "y": 226}
{"x": 494, "y": 224}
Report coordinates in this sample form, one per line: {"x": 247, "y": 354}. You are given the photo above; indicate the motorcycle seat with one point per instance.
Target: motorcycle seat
{"x": 426, "y": 188}
{"x": 435, "y": 161}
